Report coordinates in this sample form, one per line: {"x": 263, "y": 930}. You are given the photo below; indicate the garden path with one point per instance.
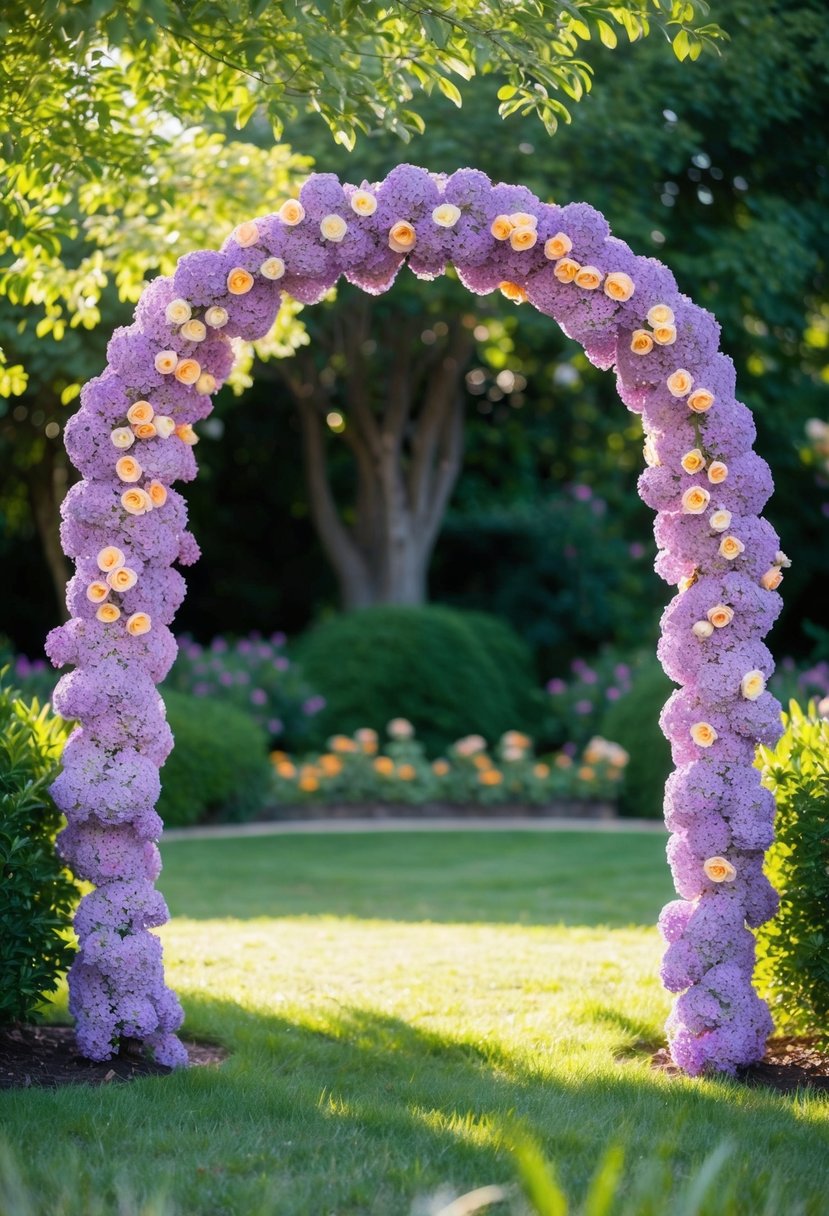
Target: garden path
{"x": 290, "y": 827}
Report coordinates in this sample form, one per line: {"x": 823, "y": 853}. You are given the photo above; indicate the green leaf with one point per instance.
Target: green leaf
{"x": 450, "y": 90}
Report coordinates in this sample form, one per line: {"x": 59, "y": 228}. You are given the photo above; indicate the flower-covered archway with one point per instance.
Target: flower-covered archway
{"x": 125, "y": 526}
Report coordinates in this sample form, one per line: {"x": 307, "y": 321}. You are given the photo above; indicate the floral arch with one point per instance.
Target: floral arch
{"x": 125, "y": 526}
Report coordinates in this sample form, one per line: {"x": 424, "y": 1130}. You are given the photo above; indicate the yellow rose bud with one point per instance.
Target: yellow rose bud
{"x": 523, "y": 238}
{"x": 660, "y": 314}
{"x": 186, "y": 434}
{"x": 588, "y": 277}
{"x": 703, "y": 734}
{"x": 206, "y": 384}
{"x": 772, "y": 579}
{"x": 139, "y": 412}
{"x": 246, "y": 234}
{"x": 565, "y": 270}
{"x": 557, "y": 246}
{"x": 177, "y": 312}
{"x": 122, "y": 579}
{"x": 291, "y": 212}
{"x": 108, "y": 613}
{"x": 146, "y": 430}
{"x": 110, "y": 558}
{"x": 693, "y": 461}
{"x": 680, "y": 382}
{"x": 700, "y": 400}
{"x": 619, "y": 286}
{"x": 731, "y": 547}
{"x": 523, "y": 219}
{"x": 165, "y": 362}
{"x": 136, "y": 502}
{"x": 122, "y": 437}
{"x": 501, "y": 227}
{"x": 164, "y": 425}
{"x": 717, "y": 472}
{"x": 157, "y": 493}
{"x": 333, "y": 228}
{"x": 720, "y": 616}
{"x": 513, "y": 292}
{"x": 641, "y": 342}
{"x": 446, "y": 215}
{"x": 695, "y": 500}
{"x": 188, "y": 371}
{"x": 665, "y": 335}
{"x": 702, "y": 629}
{"x": 96, "y": 592}
{"x": 216, "y": 317}
{"x": 720, "y": 520}
{"x": 719, "y": 870}
{"x": 753, "y": 685}
{"x": 363, "y": 202}
{"x": 272, "y": 268}
{"x": 402, "y": 237}
{"x": 139, "y": 623}
{"x": 194, "y": 331}
{"x": 239, "y": 281}
{"x": 128, "y": 469}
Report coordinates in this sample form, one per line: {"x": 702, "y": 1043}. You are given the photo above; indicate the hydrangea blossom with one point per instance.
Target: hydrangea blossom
{"x": 126, "y": 526}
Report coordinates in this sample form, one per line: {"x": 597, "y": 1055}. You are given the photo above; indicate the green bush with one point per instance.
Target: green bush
{"x": 633, "y": 722}
{"x": 450, "y": 673}
{"x": 218, "y": 769}
{"x": 38, "y": 895}
{"x": 793, "y": 949}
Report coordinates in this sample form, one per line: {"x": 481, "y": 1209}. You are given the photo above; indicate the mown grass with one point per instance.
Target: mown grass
{"x": 400, "y": 1009}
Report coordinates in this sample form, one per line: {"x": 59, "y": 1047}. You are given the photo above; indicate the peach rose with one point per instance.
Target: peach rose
{"x": 665, "y": 335}
{"x": 164, "y": 425}
{"x": 731, "y": 547}
{"x": 703, "y": 734}
{"x": 272, "y": 268}
{"x": 108, "y": 613}
{"x": 138, "y": 623}
{"x": 512, "y": 292}
{"x": 157, "y": 493}
{"x": 695, "y": 500}
{"x": 720, "y": 616}
{"x": 619, "y": 286}
{"x": 206, "y": 384}
{"x": 291, "y": 212}
{"x": 565, "y": 270}
{"x": 680, "y": 382}
{"x": 589, "y": 277}
{"x": 446, "y": 215}
{"x": 717, "y": 869}
{"x": 165, "y": 362}
{"x": 110, "y": 558}
{"x": 686, "y": 583}
{"x": 557, "y": 246}
{"x": 188, "y": 370}
{"x": 177, "y": 312}
{"x": 194, "y": 331}
{"x": 501, "y": 227}
{"x": 693, "y": 461}
{"x": 140, "y": 411}
{"x": 753, "y": 685}
{"x": 128, "y": 469}
{"x": 717, "y": 472}
{"x": 402, "y": 236}
{"x": 702, "y": 629}
{"x": 186, "y": 434}
{"x": 720, "y": 520}
{"x": 641, "y": 342}
{"x": 246, "y": 234}
{"x": 239, "y": 281}
{"x": 523, "y": 219}
{"x": 96, "y": 592}
{"x": 523, "y": 238}
{"x": 660, "y": 314}
{"x": 333, "y": 228}
{"x": 122, "y": 579}
{"x": 701, "y": 399}
{"x": 122, "y": 437}
{"x": 146, "y": 430}
{"x": 363, "y": 202}
{"x": 772, "y": 579}
{"x": 216, "y": 317}
{"x": 136, "y": 502}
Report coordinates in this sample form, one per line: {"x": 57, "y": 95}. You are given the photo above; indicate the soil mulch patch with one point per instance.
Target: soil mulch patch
{"x": 46, "y": 1056}
{"x": 788, "y": 1065}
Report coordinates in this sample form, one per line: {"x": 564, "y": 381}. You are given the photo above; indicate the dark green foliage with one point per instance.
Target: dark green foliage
{"x": 218, "y": 769}
{"x": 634, "y": 722}
{"x": 36, "y": 894}
{"x": 450, "y": 673}
{"x": 793, "y": 949}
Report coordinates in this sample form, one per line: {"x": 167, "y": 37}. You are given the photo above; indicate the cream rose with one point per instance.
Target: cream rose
{"x": 753, "y": 685}
{"x": 717, "y": 472}
{"x": 144, "y": 430}
{"x": 108, "y": 613}
{"x": 649, "y": 452}
{"x": 523, "y": 238}
{"x": 128, "y": 469}
{"x": 523, "y": 219}
{"x": 363, "y": 202}
{"x": 291, "y": 212}
{"x": 138, "y": 623}
{"x": 513, "y": 292}
{"x": 693, "y": 461}
{"x": 660, "y": 314}
{"x": 216, "y": 317}
{"x": 188, "y": 371}
{"x": 720, "y": 616}
{"x": 619, "y": 286}
{"x": 136, "y": 502}
{"x": 122, "y": 437}
{"x": 186, "y": 434}
{"x": 206, "y": 384}
{"x": 565, "y": 270}
{"x": 272, "y": 268}
{"x": 717, "y": 869}
{"x": 680, "y": 382}
{"x": 731, "y": 547}
{"x": 501, "y": 227}
{"x": 97, "y": 592}
{"x": 246, "y": 234}
{"x": 194, "y": 331}
{"x": 557, "y": 246}
{"x": 720, "y": 520}
{"x": 402, "y": 236}
{"x": 695, "y": 500}
{"x": 665, "y": 335}
{"x": 140, "y": 411}
{"x": 178, "y": 311}
{"x": 239, "y": 281}
{"x": 446, "y": 215}
{"x": 772, "y": 579}
{"x": 780, "y": 559}
{"x": 589, "y": 278}
{"x": 700, "y": 400}
{"x": 164, "y": 425}
{"x": 641, "y": 342}
{"x": 333, "y": 228}
{"x": 110, "y": 558}
{"x": 165, "y": 362}
{"x": 702, "y": 629}
{"x": 122, "y": 579}
{"x": 157, "y": 493}
{"x": 703, "y": 734}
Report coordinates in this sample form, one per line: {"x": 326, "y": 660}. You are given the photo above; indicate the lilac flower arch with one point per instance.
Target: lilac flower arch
{"x": 125, "y": 526}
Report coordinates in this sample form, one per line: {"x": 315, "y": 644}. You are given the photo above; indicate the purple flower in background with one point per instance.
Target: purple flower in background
{"x": 259, "y": 697}
{"x": 555, "y": 687}
{"x": 313, "y": 706}
{"x": 583, "y": 706}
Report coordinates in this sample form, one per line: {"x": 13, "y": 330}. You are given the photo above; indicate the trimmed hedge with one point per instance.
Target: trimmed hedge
{"x": 450, "y": 673}
{"x": 633, "y": 721}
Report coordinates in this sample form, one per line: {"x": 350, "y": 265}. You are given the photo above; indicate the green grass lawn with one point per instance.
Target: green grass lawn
{"x": 400, "y": 1010}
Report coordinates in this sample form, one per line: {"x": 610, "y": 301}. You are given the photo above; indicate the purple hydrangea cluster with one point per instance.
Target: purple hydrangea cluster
{"x": 125, "y": 527}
